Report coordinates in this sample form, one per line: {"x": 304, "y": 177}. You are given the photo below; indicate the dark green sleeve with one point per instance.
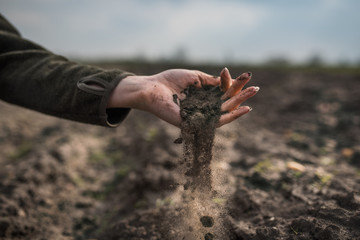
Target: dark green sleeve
{"x": 33, "y": 77}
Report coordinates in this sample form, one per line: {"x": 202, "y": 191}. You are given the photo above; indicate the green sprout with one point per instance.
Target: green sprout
{"x": 263, "y": 166}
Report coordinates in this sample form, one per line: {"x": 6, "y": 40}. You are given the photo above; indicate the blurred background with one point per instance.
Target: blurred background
{"x": 212, "y": 31}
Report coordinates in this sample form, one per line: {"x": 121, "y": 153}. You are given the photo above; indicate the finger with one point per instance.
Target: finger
{"x": 225, "y": 80}
{"x": 207, "y": 79}
{"x": 236, "y": 100}
{"x": 231, "y": 116}
{"x": 237, "y": 85}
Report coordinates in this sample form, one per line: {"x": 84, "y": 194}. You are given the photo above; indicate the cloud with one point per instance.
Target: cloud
{"x": 207, "y": 30}
{"x": 196, "y": 25}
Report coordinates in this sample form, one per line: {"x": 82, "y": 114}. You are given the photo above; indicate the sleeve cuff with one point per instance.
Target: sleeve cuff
{"x": 114, "y": 116}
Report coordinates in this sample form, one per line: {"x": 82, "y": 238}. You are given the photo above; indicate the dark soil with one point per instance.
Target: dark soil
{"x": 200, "y": 112}
{"x": 207, "y": 221}
{"x": 66, "y": 180}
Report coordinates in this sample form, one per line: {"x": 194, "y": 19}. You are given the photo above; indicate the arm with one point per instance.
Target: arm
{"x": 35, "y": 78}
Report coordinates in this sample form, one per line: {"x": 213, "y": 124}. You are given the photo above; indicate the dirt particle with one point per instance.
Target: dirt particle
{"x": 207, "y": 221}
{"x": 175, "y": 99}
{"x": 209, "y": 236}
{"x": 178, "y": 141}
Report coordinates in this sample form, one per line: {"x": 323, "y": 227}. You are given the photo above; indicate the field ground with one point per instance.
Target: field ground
{"x": 288, "y": 170}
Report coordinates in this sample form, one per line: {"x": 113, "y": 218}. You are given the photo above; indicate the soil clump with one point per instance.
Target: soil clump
{"x": 207, "y": 221}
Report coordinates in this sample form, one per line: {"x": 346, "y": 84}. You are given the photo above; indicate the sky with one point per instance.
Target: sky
{"x": 248, "y": 31}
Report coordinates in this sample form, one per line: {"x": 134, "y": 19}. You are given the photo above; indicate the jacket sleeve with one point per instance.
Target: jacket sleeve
{"x": 35, "y": 78}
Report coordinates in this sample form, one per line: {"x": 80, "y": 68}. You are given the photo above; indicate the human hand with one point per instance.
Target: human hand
{"x": 155, "y": 93}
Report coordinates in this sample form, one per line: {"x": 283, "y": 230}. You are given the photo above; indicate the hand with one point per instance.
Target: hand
{"x": 154, "y": 93}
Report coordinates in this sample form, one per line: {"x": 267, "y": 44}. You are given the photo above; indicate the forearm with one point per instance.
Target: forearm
{"x": 35, "y": 78}
{"x": 58, "y": 87}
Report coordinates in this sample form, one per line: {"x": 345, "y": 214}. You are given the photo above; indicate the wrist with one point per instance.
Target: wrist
{"x": 129, "y": 93}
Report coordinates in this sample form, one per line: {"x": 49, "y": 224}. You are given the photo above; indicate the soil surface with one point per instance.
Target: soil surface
{"x": 290, "y": 169}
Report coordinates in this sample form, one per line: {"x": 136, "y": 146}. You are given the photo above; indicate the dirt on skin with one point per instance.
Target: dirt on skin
{"x": 66, "y": 180}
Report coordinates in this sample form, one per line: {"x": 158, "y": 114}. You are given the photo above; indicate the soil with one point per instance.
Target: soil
{"x": 65, "y": 180}
{"x": 200, "y": 113}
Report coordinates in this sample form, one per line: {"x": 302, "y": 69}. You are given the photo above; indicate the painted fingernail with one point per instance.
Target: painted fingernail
{"x": 256, "y": 89}
{"x": 250, "y": 109}
{"x": 225, "y": 79}
{"x": 250, "y": 73}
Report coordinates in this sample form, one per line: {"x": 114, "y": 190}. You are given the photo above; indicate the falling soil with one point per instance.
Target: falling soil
{"x": 207, "y": 221}
{"x": 209, "y": 236}
{"x": 200, "y": 112}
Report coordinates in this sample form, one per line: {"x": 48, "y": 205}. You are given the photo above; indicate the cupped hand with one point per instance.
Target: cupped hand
{"x": 159, "y": 94}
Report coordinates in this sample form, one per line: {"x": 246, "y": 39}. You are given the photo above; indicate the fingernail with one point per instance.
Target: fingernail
{"x": 227, "y": 73}
{"x": 224, "y": 69}
{"x": 256, "y": 89}
{"x": 250, "y": 73}
{"x": 250, "y": 109}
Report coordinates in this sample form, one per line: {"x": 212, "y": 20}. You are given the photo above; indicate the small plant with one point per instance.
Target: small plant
{"x": 263, "y": 166}
{"x": 219, "y": 201}
{"x": 106, "y": 158}
{"x": 21, "y": 151}
{"x": 151, "y": 134}
{"x": 163, "y": 202}
{"x": 322, "y": 179}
